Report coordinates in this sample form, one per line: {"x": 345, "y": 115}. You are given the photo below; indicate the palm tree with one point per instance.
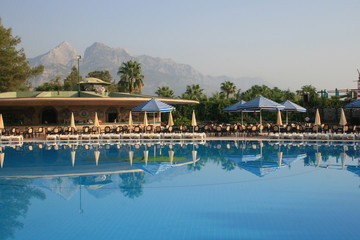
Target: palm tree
{"x": 194, "y": 92}
{"x": 131, "y": 79}
{"x": 228, "y": 88}
{"x": 165, "y": 92}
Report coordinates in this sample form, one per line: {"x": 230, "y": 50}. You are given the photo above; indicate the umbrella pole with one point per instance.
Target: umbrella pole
{"x": 242, "y": 118}
{"x": 287, "y": 118}
{"x": 154, "y": 123}
{"x": 260, "y": 122}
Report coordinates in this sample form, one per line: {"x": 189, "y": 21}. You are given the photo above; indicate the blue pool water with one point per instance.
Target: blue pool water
{"x": 212, "y": 190}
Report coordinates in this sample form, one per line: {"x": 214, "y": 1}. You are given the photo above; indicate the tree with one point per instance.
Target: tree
{"x": 165, "y": 92}
{"x": 14, "y": 69}
{"x": 308, "y": 95}
{"x": 228, "y": 88}
{"x": 103, "y": 75}
{"x": 131, "y": 78}
{"x": 193, "y": 92}
{"x": 71, "y": 80}
{"x": 53, "y": 85}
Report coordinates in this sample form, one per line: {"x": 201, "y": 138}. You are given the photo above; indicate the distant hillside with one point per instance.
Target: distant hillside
{"x": 157, "y": 71}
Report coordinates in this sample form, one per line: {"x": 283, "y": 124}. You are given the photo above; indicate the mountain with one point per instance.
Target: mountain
{"x": 157, "y": 71}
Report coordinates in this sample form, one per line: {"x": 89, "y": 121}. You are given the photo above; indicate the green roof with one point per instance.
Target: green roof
{"x": 94, "y": 81}
{"x": 68, "y": 94}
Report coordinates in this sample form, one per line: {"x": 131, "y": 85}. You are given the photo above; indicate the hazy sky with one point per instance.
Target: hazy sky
{"x": 287, "y": 43}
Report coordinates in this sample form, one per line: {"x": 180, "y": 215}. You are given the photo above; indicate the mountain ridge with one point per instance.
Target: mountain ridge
{"x": 157, "y": 71}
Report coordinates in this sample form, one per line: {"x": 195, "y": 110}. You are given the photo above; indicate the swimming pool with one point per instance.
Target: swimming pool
{"x": 180, "y": 190}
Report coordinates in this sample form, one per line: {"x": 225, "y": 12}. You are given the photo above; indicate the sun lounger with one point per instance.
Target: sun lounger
{"x": 85, "y": 137}
{"x": 131, "y": 136}
{"x": 298, "y": 136}
{"x": 167, "y": 135}
{"x": 73, "y": 137}
{"x": 63, "y": 137}
{"x": 94, "y": 136}
{"x": 348, "y": 136}
{"x": 323, "y": 136}
{"x": 105, "y": 136}
{"x": 5, "y": 138}
{"x": 52, "y": 137}
{"x": 115, "y": 136}
{"x": 337, "y": 136}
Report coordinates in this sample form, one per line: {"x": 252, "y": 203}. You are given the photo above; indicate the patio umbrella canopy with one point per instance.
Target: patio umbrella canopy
{"x": 154, "y": 106}
{"x": 355, "y": 104}
{"x": 261, "y": 103}
{"x": 291, "y": 107}
{"x": 236, "y": 108}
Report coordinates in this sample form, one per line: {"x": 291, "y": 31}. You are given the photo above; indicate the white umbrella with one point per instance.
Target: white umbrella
{"x": 193, "y": 120}
{"x": 145, "y": 120}
{"x": 317, "y": 119}
{"x": 72, "y": 121}
{"x": 146, "y": 156}
{"x": 171, "y": 120}
{"x": 280, "y": 154}
{"x": 131, "y": 123}
{"x": 343, "y": 159}
{"x": 343, "y": 121}
{"x": 318, "y": 159}
{"x": 171, "y": 156}
{"x": 131, "y": 155}
{"x": 2, "y": 157}
{"x": 194, "y": 153}
{"x": 96, "y": 122}
{"x": 73, "y": 157}
{"x": 279, "y": 120}
{"x": 1, "y": 124}
{"x": 97, "y": 155}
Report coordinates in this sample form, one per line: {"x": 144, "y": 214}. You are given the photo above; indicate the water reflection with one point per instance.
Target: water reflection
{"x": 127, "y": 168}
{"x": 15, "y": 200}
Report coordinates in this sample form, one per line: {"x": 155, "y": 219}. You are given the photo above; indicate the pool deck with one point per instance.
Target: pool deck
{"x": 221, "y": 138}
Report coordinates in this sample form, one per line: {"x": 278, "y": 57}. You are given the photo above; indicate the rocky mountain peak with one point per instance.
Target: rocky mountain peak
{"x": 61, "y": 54}
{"x": 157, "y": 71}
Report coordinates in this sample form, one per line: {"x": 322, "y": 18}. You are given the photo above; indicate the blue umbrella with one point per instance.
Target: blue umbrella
{"x": 153, "y": 106}
{"x": 236, "y": 108}
{"x": 354, "y": 104}
{"x": 291, "y": 107}
{"x": 261, "y": 103}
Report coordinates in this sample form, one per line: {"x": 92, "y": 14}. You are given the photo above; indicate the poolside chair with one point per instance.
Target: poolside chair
{"x": 29, "y": 132}
{"x": 148, "y": 129}
{"x": 326, "y": 128}
{"x": 118, "y": 130}
{"x": 137, "y": 129}
{"x": 39, "y": 131}
{"x": 86, "y": 130}
{"x": 126, "y": 128}
{"x": 56, "y": 131}
{"x": 335, "y": 128}
{"x": 12, "y": 131}
{"x": 3, "y": 132}
{"x": 107, "y": 130}
{"x": 95, "y": 129}
{"x": 157, "y": 129}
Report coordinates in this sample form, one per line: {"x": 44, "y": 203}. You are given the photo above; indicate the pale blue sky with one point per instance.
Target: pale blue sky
{"x": 287, "y": 43}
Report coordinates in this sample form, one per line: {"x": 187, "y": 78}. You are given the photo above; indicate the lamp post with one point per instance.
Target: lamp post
{"x": 78, "y": 57}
